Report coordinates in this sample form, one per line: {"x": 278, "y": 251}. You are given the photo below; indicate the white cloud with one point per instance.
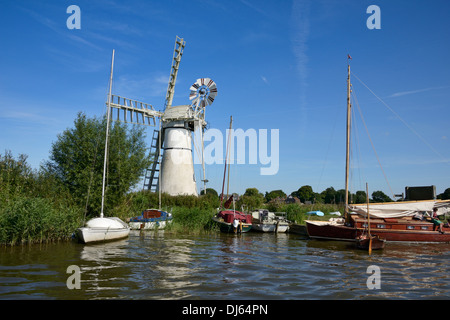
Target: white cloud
{"x": 404, "y": 93}
{"x": 264, "y": 79}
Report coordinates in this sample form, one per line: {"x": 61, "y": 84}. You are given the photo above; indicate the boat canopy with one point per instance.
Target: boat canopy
{"x": 400, "y": 209}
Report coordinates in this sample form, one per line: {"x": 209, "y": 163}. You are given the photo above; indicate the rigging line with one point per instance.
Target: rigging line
{"x": 357, "y": 143}
{"x": 373, "y": 146}
{"x": 328, "y": 149}
{"x": 404, "y": 122}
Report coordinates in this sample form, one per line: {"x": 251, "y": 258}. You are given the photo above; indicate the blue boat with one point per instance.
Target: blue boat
{"x": 151, "y": 219}
{"x": 315, "y": 213}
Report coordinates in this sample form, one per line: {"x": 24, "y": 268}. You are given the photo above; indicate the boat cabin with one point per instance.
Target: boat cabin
{"x": 229, "y": 216}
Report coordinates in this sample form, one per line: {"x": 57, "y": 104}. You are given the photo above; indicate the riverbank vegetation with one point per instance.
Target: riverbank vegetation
{"x": 50, "y": 203}
{"x": 36, "y": 206}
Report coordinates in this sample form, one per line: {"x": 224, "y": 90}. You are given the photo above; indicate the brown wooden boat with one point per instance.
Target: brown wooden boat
{"x": 399, "y": 229}
{"x": 389, "y": 221}
{"x": 367, "y": 242}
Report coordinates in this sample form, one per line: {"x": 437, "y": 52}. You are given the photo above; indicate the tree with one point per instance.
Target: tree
{"x": 360, "y": 197}
{"x": 251, "y": 192}
{"x": 380, "y": 196}
{"x": 252, "y": 199}
{"x": 274, "y": 194}
{"x": 16, "y": 176}
{"x": 445, "y": 195}
{"x": 76, "y": 160}
{"x": 305, "y": 193}
{"x": 329, "y": 195}
{"x": 209, "y": 191}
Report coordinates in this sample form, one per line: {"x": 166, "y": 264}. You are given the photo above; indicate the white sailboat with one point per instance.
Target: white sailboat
{"x": 104, "y": 228}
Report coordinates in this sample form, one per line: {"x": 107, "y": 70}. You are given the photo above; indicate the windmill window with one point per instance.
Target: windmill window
{"x": 381, "y": 226}
{"x": 410, "y": 227}
{"x": 424, "y": 228}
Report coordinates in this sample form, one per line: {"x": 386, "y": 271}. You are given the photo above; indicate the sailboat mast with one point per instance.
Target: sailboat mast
{"x": 226, "y": 160}
{"x": 368, "y": 215}
{"x": 108, "y": 111}
{"x": 159, "y": 161}
{"x": 347, "y": 162}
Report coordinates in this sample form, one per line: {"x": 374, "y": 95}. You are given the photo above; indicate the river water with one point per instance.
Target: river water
{"x": 251, "y": 266}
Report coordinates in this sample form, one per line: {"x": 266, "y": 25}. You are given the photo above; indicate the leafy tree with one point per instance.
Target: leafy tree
{"x": 445, "y": 195}
{"x": 360, "y": 197}
{"x": 274, "y": 194}
{"x": 76, "y": 160}
{"x": 305, "y": 193}
{"x": 16, "y": 176}
{"x": 380, "y": 196}
{"x": 340, "y": 196}
{"x": 209, "y": 191}
{"x": 252, "y": 199}
{"x": 318, "y": 198}
{"x": 251, "y": 192}
{"x": 329, "y": 195}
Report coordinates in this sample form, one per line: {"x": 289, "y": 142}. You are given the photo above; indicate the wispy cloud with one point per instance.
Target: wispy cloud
{"x": 255, "y": 8}
{"x": 301, "y": 30}
{"x": 404, "y": 93}
{"x": 152, "y": 89}
{"x": 300, "y": 34}
{"x": 264, "y": 79}
{"x": 55, "y": 27}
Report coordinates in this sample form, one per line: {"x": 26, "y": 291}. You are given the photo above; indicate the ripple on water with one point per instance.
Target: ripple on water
{"x": 260, "y": 266}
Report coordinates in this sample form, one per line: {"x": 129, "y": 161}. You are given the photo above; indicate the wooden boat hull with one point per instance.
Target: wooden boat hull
{"x": 401, "y": 230}
{"x": 298, "y": 229}
{"x": 328, "y": 231}
{"x": 364, "y": 243}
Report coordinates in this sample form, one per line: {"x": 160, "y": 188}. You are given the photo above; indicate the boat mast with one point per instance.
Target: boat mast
{"x": 226, "y": 159}
{"x": 108, "y": 110}
{"x": 368, "y": 215}
{"x": 347, "y": 162}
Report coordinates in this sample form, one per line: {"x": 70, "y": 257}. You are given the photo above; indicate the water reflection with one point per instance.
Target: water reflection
{"x": 175, "y": 267}
{"x": 100, "y": 265}
{"x": 159, "y": 265}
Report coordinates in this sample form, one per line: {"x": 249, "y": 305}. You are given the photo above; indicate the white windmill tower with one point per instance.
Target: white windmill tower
{"x": 174, "y": 138}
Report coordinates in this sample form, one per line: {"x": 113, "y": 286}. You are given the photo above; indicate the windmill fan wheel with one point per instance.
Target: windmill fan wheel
{"x": 203, "y": 92}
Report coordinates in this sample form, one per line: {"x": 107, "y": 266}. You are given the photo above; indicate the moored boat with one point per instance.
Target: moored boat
{"x": 394, "y": 226}
{"x": 370, "y": 243}
{"x": 391, "y": 221}
{"x": 104, "y": 228}
{"x": 298, "y": 229}
{"x": 232, "y": 221}
{"x": 151, "y": 219}
{"x": 266, "y": 221}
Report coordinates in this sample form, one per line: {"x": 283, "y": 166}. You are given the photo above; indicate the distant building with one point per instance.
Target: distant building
{"x": 420, "y": 193}
{"x": 291, "y": 199}
{"x": 288, "y": 200}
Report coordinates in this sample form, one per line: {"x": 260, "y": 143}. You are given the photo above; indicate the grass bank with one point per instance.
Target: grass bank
{"x": 193, "y": 214}
{"x": 36, "y": 220}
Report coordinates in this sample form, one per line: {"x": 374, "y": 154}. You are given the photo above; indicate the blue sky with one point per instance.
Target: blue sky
{"x": 277, "y": 64}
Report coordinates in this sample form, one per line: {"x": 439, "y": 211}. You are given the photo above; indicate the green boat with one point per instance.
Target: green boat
{"x": 232, "y": 221}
